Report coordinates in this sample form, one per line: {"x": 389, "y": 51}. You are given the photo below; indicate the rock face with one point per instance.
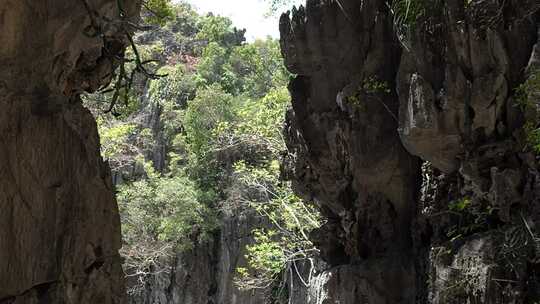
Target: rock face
{"x": 59, "y": 225}
{"x": 351, "y": 161}
{"x": 206, "y": 273}
{"x": 412, "y": 145}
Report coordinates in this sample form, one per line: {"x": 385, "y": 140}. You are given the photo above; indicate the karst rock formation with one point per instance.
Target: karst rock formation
{"x": 411, "y": 139}
{"x": 59, "y": 223}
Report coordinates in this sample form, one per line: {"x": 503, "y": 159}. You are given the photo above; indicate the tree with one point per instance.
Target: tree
{"x": 219, "y": 29}
{"x": 185, "y": 21}
{"x": 258, "y": 66}
{"x": 211, "y": 68}
{"x": 157, "y": 11}
{"x": 256, "y": 184}
{"x": 160, "y": 216}
{"x": 211, "y": 109}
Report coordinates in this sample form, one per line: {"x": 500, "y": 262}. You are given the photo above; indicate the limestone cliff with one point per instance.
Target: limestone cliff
{"x": 409, "y": 139}
{"x": 59, "y": 225}
{"x": 206, "y": 273}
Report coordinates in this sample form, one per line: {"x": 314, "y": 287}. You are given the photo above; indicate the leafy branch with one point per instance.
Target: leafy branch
{"x": 123, "y": 77}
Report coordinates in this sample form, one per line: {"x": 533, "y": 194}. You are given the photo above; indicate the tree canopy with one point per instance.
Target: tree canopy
{"x": 214, "y": 125}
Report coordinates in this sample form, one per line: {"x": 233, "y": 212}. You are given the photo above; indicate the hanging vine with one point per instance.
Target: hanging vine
{"x": 127, "y": 68}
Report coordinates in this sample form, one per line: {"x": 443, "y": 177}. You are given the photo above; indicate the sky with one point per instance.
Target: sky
{"x": 248, "y": 14}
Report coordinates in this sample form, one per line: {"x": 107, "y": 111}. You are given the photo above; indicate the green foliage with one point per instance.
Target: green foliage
{"x": 185, "y": 20}
{"x": 178, "y": 87}
{"x": 527, "y": 95}
{"x": 122, "y": 142}
{"x": 370, "y": 87}
{"x": 158, "y": 11}
{"x": 532, "y": 133}
{"x": 218, "y": 115}
{"x": 219, "y": 29}
{"x": 258, "y": 186}
{"x": 114, "y": 140}
{"x": 162, "y": 208}
{"x": 251, "y": 69}
{"x": 258, "y": 67}
{"x": 276, "y": 6}
{"x": 160, "y": 216}
{"x": 263, "y": 119}
{"x": 408, "y": 12}
{"x": 412, "y": 14}
{"x": 211, "y": 108}
{"x": 171, "y": 94}
{"x": 471, "y": 216}
{"x": 355, "y": 100}
{"x": 274, "y": 249}
{"x": 265, "y": 254}
{"x": 204, "y": 114}
{"x": 460, "y": 205}
{"x": 211, "y": 68}
{"x": 530, "y": 87}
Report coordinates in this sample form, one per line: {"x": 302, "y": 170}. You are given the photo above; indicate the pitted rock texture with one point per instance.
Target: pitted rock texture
{"x": 455, "y": 84}
{"x": 413, "y": 146}
{"x": 59, "y": 224}
{"x": 350, "y": 158}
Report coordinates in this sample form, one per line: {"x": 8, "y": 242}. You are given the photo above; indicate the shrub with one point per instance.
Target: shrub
{"x": 160, "y": 216}
{"x": 527, "y": 95}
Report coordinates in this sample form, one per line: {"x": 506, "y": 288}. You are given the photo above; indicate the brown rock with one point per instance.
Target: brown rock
{"x": 59, "y": 224}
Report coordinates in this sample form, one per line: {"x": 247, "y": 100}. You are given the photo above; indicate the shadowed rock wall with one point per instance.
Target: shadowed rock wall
{"x": 414, "y": 148}
{"x": 59, "y": 224}
{"x": 350, "y": 159}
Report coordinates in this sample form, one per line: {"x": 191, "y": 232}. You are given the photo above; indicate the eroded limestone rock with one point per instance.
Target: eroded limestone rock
{"x": 59, "y": 224}
{"x": 452, "y": 104}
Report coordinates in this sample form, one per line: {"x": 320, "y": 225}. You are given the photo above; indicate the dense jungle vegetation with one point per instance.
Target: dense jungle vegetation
{"x": 199, "y": 135}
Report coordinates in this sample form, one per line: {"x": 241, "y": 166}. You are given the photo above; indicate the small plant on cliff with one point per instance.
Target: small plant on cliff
{"x": 276, "y": 6}
{"x": 471, "y": 216}
{"x": 410, "y": 14}
{"x": 158, "y": 11}
{"x": 460, "y": 205}
{"x": 527, "y": 96}
{"x": 371, "y": 86}
{"x": 276, "y": 250}
{"x": 371, "y": 89}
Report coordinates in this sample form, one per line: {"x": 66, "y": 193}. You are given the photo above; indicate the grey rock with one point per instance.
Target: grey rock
{"x": 452, "y": 83}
